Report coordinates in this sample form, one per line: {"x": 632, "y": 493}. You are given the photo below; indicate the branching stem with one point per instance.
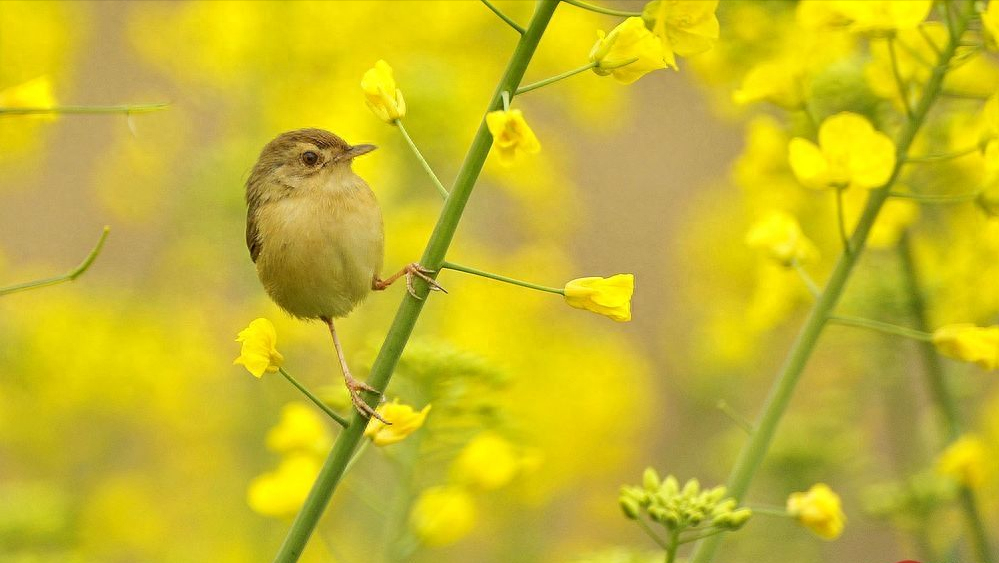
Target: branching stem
{"x": 69, "y": 276}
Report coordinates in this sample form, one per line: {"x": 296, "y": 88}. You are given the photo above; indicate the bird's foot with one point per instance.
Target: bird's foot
{"x": 411, "y": 270}
{"x": 355, "y": 387}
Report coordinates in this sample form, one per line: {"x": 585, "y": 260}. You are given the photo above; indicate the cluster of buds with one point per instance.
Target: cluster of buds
{"x": 682, "y": 508}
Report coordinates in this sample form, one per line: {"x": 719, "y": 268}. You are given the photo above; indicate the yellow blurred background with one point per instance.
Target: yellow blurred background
{"x": 126, "y": 434}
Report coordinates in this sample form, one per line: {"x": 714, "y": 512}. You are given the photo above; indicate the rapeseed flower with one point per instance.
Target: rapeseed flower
{"x": 487, "y": 462}
{"x": 511, "y": 135}
{"x": 442, "y": 515}
{"x": 685, "y": 27}
{"x": 610, "y": 297}
{"x": 819, "y": 510}
{"x": 258, "y": 354}
{"x": 403, "y": 421}
{"x": 300, "y": 429}
{"x": 780, "y": 236}
{"x": 850, "y": 152}
{"x": 964, "y": 461}
{"x": 281, "y": 493}
{"x": 629, "y": 52}
{"x": 381, "y": 95}
{"x": 969, "y": 343}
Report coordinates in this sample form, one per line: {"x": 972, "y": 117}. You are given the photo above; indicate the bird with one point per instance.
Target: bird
{"x": 315, "y": 232}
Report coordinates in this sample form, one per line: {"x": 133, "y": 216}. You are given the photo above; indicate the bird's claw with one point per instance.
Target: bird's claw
{"x": 415, "y": 269}
{"x": 355, "y": 387}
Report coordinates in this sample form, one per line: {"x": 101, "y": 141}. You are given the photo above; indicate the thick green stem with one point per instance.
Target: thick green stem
{"x": 948, "y": 412}
{"x": 315, "y": 400}
{"x": 86, "y": 110}
{"x": 69, "y": 276}
{"x": 409, "y": 310}
{"x": 752, "y": 454}
{"x": 497, "y": 277}
{"x": 423, "y": 162}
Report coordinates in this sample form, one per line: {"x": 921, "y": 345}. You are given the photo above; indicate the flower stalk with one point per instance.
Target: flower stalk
{"x": 409, "y": 310}
{"x": 942, "y": 397}
{"x": 69, "y": 276}
{"x": 315, "y": 400}
{"x": 84, "y": 110}
{"x": 751, "y": 456}
{"x": 459, "y": 268}
{"x": 423, "y": 162}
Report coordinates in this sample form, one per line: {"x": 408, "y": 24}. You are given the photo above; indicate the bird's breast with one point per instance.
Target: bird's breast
{"x": 320, "y": 251}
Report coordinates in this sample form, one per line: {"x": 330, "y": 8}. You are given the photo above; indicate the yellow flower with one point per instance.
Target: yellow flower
{"x": 850, "y": 152}
{"x": 969, "y": 343}
{"x": 511, "y": 135}
{"x": 381, "y": 94}
{"x": 686, "y": 27}
{"x": 964, "y": 461}
{"x": 281, "y": 493}
{"x": 300, "y": 430}
{"x": 442, "y": 515}
{"x": 629, "y": 41}
{"x": 883, "y": 15}
{"x": 772, "y": 81}
{"x": 819, "y": 510}
{"x": 780, "y": 235}
{"x": 403, "y": 419}
{"x": 487, "y": 462}
{"x": 990, "y": 21}
{"x": 35, "y": 93}
{"x": 610, "y": 297}
{"x": 259, "y": 354}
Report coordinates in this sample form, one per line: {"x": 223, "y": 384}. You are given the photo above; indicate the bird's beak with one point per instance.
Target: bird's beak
{"x": 357, "y": 150}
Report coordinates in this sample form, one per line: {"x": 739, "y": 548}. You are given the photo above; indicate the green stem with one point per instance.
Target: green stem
{"x": 766, "y": 510}
{"x": 941, "y": 198}
{"x": 419, "y": 156}
{"x": 409, "y": 310}
{"x": 735, "y": 417}
{"x": 879, "y": 326}
{"x": 813, "y": 288}
{"x": 777, "y": 401}
{"x": 903, "y": 91}
{"x": 600, "y": 10}
{"x": 517, "y": 27}
{"x": 702, "y": 536}
{"x": 674, "y": 544}
{"x": 332, "y": 414}
{"x": 946, "y": 405}
{"x": 459, "y": 268}
{"x": 126, "y": 109}
{"x": 942, "y": 156}
{"x": 556, "y": 78}
{"x": 841, "y": 220}
{"x": 70, "y": 276}
{"x": 651, "y": 533}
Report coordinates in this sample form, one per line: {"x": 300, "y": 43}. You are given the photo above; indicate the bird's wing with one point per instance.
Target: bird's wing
{"x": 252, "y": 235}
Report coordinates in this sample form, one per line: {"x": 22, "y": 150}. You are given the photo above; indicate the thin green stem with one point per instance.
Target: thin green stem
{"x": 841, "y": 221}
{"x": 929, "y": 40}
{"x": 942, "y": 156}
{"x": 752, "y": 454}
{"x": 937, "y": 198}
{"x": 69, "y": 276}
{"x": 516, "y": 27}
{"x": 735, "y": 417}
{"x": 674, "y": 544}
{"x": 879, "y": 326}
{"x": 700, "y": 537}
{"x": 601, "y": 10}
{"x": 650, "y": 532}
{"x": 410, "y": 308}
{"x": 459, "y": 268}
{"x": 943, "y": 398}
{"x": 419, "y": 156}
{"x": 913, "y": 52}
{"x": 556, "y": 78}
{"x": 769, "y": 510}
{"x": 903, "y": 91}
{"x": 813, "y": 288}
{"x": 322, "y": 406}
{"x": 86, "y": 110}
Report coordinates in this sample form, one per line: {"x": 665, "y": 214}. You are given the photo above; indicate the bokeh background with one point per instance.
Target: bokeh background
{"x": 126, "y": 434}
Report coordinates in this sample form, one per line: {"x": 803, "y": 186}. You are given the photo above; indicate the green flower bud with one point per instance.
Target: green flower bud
{"x": 732, "y": 520}
{"x": 691, "y": 489}
{"x": 630, "y": 507}
{"x": 658, "y": 513}
{"x": 650, "y": 480}
{"x": 670, "y": 487}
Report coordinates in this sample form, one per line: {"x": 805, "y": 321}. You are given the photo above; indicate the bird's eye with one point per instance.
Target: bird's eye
{"x": 310, "y": 158}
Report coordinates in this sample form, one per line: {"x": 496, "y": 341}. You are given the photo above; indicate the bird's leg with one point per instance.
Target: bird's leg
{"x": 354, "y": 386}
{"x": 409, "y": 271}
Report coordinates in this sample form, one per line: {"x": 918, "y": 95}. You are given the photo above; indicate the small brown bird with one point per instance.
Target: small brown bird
{"x": 314, "y": 230}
